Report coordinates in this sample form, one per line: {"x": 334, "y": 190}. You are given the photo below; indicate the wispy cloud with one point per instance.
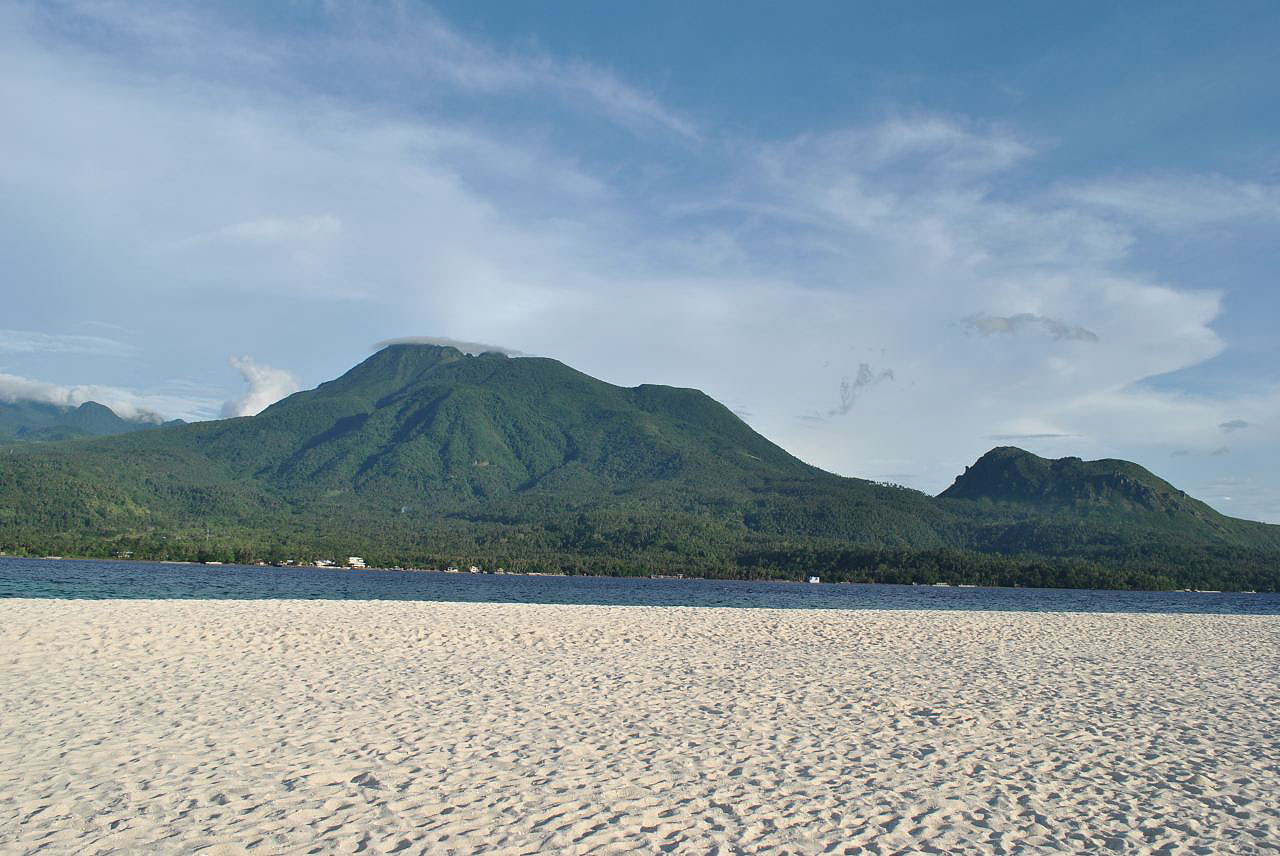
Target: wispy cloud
{"x": 273, "y": 231}
{"x": 35, "y": 342}
{"x": 922, "y": 147}
{"x": 1179, "y": 202}
{"x": 422, "y": 44}
{"x": 400, "y": 55}
{"x": 851, "y": 388}
{"x": 1233, "y": 425}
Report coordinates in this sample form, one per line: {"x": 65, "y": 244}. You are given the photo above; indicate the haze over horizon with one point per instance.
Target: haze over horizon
{"x": 890, "y": 238}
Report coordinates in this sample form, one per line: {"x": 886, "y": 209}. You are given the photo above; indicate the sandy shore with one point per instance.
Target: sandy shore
{"x": 381, "y": 727}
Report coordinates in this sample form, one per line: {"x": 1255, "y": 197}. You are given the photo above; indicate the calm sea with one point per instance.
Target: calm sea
{"x": 65, "y": 578}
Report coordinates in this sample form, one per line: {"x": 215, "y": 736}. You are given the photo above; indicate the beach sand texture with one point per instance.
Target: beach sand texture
{"x": 395, "y": 727}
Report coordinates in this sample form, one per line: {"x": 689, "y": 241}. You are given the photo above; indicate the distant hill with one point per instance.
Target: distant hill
{"x": 424, "y": 455}
{"x": 1011, "y": 475}
{"x": 1033, "y": 503}
{"x": 32, "y": 421}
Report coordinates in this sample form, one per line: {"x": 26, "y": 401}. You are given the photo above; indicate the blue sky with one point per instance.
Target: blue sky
{"x": 889, "y": 235}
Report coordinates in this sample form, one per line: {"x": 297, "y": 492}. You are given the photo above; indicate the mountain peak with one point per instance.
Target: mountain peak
{"x": 393, "y": 366}
{"x": 35, "y": 420}
{"x": 416, "y": 355}
{"x": 418, "y": 420}
{"x": 94, "y": 409}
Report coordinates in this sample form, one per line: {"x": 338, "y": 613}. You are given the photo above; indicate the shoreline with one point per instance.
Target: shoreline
{"x": 655, "y": 577}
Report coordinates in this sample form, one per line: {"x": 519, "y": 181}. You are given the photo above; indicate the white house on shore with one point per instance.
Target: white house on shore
{"x": 355, "y": 562}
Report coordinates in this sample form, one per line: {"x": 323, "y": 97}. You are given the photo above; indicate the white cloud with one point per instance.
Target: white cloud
{"x": 937, "y": 143}
{"x": 34, "y": 342}
{"x": 395, "y": 50}
{"x": 127, "y": 403}
{"x": 1178, "y": 202}
{"x": 274, "y": 231}
{"x": 414, "y": 45}
{"x": 445, "y": 342}
{"x": 267, "y": 385}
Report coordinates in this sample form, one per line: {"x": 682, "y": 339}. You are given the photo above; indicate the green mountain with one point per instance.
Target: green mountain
{"x": 423, "y": 423}
{"x": 423, "y": 455}
{"x": 1010, "y": 475}
{"x": 31, "y": 421}
{"x": 1109, "y": 508}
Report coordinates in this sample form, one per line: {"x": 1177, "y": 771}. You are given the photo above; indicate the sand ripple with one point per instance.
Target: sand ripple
{"x": 386, "y": 727}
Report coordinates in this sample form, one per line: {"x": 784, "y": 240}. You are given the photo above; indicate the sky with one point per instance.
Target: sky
{"x": 888, "y": 236}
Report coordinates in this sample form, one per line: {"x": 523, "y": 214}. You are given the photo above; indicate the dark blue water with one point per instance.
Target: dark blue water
{"x": 46, "y": 578}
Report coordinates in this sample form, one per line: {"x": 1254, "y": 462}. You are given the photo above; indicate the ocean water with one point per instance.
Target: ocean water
{"x": 66, "y": 578}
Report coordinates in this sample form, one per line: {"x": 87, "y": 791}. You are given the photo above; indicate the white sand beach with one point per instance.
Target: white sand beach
{"x": 391, "y": 727}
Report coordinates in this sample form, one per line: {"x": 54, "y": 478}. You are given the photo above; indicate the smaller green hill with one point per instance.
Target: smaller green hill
{"x": 1010, "y": 475}
{"x": 1109, "y": 508}
{"x": 36, "y": 421}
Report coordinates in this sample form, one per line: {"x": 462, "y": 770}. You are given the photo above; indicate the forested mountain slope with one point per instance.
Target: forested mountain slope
{"x": 422, "y": 444}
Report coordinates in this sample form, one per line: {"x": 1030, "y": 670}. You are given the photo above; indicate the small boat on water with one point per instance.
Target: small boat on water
{"x": 815, "y": 579}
